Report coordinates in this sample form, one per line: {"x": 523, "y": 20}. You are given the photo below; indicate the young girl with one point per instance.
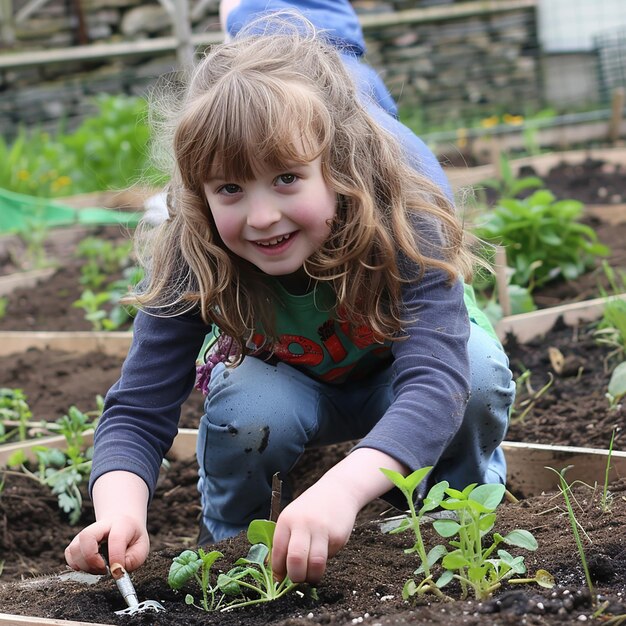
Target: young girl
{"x": 317, "y": 234}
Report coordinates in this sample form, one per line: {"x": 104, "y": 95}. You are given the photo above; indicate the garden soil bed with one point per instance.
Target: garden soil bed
{"x": 366, "y": 578}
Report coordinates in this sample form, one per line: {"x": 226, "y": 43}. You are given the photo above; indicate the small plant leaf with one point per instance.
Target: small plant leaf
{"x": 521, "y": 539}
{"x": 409, "y": 589}
{"x": 262, "y": 531}
{"x": 617, "y": 384}
{"x": 455, "y": 560}
{"x": 444, "y": 579}
{"x": 257, "y": 554}
{"x": 544, "y": 579}
{"x": 489, "y": 496}
{"x": 446, "y": 527}
{"x": 183, "y": 567}
{"x": 434, "y": 496}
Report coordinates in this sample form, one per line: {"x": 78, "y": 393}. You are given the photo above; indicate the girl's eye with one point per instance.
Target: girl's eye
{"x": 286, "y": 179}
{"x": 229, "y": 189}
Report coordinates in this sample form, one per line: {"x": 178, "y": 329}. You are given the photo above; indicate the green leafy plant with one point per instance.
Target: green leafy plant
{"x": 109, "y": 150}
{"x": 470, "y": 562}
{"x": 33, "y": 235}
{"x": 611, "y": 329}
{"x": 15, "y": 414}
{"x": 253, "y": 573}
{"x": 92, "y": 303}
{"x": 542, "y": 236}
{"x": 473, "y": 564}
{"x": 196, "y": 565}
{"x": 63, "y": 471}
{"x": 102, "y": 258}
{"x": 431, "y": 501}
{"x": 4, "y": 301}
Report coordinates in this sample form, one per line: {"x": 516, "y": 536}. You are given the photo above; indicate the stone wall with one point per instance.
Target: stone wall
{"x": 445, "y": 67}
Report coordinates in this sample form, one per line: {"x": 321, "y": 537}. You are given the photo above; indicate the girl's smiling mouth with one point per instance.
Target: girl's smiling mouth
{"x": 276, "y": 244}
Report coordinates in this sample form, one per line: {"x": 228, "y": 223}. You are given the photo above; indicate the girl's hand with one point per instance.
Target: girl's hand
{"x": 318, "y": 524}
{"x": 120, "y": 501}
{"x": 128, "y": 544}
{"x": 312, "y": 528}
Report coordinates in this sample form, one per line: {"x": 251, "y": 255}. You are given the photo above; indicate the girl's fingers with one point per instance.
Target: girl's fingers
{"x": 318, "y": 556}
{"x": 279, "y": 551}
{"x": 298, "y": 555}
{"x": 83, "y": 551}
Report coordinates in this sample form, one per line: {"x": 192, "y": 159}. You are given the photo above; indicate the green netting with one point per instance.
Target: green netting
{"x": 19, "y": 211}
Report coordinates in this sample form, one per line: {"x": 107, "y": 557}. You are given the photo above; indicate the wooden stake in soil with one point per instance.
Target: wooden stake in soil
{"x": 277, "y": 488}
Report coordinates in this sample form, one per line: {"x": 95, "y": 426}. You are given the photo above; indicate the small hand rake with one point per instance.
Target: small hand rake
{"x": 127, "y": 589}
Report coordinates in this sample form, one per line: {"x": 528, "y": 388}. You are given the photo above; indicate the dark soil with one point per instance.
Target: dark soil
{"x": 364, "y": 581}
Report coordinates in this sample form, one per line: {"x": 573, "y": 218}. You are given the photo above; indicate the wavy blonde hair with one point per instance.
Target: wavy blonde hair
{"x": 261, "y": 98}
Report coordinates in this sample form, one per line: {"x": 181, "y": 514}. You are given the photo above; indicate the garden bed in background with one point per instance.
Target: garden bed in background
{"x": 49, "y": 305}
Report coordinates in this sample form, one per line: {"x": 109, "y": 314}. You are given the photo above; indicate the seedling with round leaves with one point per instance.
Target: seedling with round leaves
{"x": 196, "y": 565}
{"x": 253, "y": 573}
{"x": 470, "y": 562}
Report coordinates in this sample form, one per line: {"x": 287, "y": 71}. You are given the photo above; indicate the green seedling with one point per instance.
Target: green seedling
{"x": 14, "y": 413}
{"x": 92, "y": 303}
{"x": 617, "y": 386}
{"x": 604, "y": 501}
{"x": 63, "y": 471}
{"x": 103, "y": 258}
{"x": 253, "y": 573}
{"x": 407, "y": 485}
{"x": 4, "y": 302}
{"x": 33, "y": 236}
{"x": 470, "y": 562}
{"x": 196, "y": 565}
{"x": 565, "y": 489}
{"x": 524, "y": 405}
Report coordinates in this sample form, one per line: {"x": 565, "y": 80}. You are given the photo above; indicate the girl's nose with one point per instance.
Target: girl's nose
{"x": 262, "y": 214}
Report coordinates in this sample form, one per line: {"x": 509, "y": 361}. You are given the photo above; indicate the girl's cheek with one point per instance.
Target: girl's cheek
{"x": 227, "y": 225}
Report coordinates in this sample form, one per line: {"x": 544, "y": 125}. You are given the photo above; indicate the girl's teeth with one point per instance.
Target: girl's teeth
{"x": 273, "y": 242}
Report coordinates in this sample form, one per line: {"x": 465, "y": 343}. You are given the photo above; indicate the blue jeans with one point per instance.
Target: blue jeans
{"x": 259, "y": 419}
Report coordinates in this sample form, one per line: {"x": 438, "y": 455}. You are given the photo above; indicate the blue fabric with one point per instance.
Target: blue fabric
{"x": 335, "y": 17}
{"x": 249, "y": 432}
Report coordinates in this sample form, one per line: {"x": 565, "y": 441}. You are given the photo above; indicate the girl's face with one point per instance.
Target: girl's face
{"x": 276, "y": 220}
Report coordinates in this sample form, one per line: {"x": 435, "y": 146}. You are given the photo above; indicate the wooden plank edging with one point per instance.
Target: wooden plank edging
{"x": 527, "y": 326}
{"x": 461, "y": 177}
{"x": 7, "y": 619}
{"x": 114, "y": 343}
{"x": 18, "y": 280}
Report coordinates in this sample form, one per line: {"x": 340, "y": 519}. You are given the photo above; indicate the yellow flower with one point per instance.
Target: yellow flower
{"x": 513, "y": 120}
{"x": 490, "y": 122}
{"x": 59, "y": 183}
{"x": 23, "y": 175}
